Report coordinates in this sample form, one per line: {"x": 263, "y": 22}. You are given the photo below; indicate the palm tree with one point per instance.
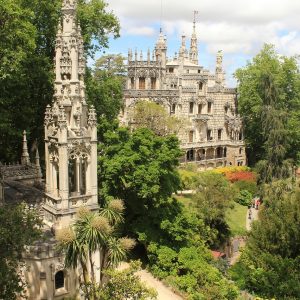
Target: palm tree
{"x": 94, "y": 232}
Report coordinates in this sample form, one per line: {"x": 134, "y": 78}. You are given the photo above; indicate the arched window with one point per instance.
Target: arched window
{"x": 241, "y": 151}
{"x": 200, "y": 86}
{"x": 59, "y": 280}
{"x": 142, "y": 83}
{"x": 190, "y": 155}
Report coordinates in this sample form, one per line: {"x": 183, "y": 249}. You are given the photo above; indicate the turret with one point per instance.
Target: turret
{"x": 161, "y": 49}
{"x": 219, "y": 68}
{"x": 182, "y": 49}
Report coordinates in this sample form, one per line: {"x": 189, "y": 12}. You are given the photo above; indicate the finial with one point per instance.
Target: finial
{"x": 148, "y": 55}
{"x": 135, "y": 55}
{"x": 141, "y": 56}
{"x": 37, "y": 162}
{"x": 25, "y": 155}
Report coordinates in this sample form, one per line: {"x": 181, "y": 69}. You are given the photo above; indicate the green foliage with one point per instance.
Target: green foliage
{"x": 104, "y": 87}
{"x": 27, "y": 39}
{"x": 269, "y": 265}
{"x": 126, "y": 285}
{"x": 94, "y": 232}
{"x": 246, "y": 185}
{"x": 19, "y": 227}
{"x": 269, "y": 89}
{"x": 147, "y": 114}
{"x": 213, "y": 198}
{"x": 191, "y": 271}
{"x": 138, "y": 167}
{"x": 244, "y": 198}
{"x": 188, "y": 179}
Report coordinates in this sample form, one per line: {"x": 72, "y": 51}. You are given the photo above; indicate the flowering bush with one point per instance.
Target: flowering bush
{"x": 242, "y": 175}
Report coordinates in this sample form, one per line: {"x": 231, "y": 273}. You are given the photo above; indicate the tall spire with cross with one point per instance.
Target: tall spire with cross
{"x": 194, "y": 42}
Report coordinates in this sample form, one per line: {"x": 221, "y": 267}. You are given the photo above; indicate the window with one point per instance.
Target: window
{"x": 190, "y": 155}
{"x": 142, "y": 83}
{"x": 187, "y": 71}
{"x": 173, "y": 107}
{"x": 200, "y": 86}
{"x": 199, "y": 109}
{"x": 241, "y": 151}
{"x": 171, "y": 70}
{"x": 209, "y": 105}
{"x": 209, "y": 137}
{"x": 219, "y": 134}
{"x": 199, "y": 71}
{"x": 240, "y": 136}
{"x": 132, "y": 83}
{"x": 59, "y": 280}
{"x": 191, "y": 136}
{"x": 77, "y": 176}
{"x": 191, "y": 110}
{"x": 153, "y": 83}
{"x": 226, "y": 109}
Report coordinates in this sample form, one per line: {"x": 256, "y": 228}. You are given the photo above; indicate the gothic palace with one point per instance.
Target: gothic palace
{"x": 214, "y": 134}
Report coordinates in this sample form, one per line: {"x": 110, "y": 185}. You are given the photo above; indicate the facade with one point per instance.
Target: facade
{"x": 71, "y": 163}
{"x": 214, "y": 134}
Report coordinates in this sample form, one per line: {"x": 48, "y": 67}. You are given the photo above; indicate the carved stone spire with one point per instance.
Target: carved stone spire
{"x": 70, "y": 128}
{"x": 182, "y": 48}
{"x": 161, "y": 48}
{"x": 25, "y": 160}
{"x": 194, "y": 42}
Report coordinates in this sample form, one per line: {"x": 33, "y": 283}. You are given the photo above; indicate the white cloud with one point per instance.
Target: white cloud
{"x": 145, "y": 31}
{"x": 233, "y": 25}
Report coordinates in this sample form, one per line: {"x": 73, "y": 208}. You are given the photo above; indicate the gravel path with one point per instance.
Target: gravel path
{"x": 164, "y": 293}
{"x": 254, "y": 216}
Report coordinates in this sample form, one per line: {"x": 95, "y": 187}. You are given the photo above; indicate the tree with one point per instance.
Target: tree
{"x": 19, "y": 226}
{"x": 140, "y": 168}
{"x": 269, "y": 265}
{"x": 150, "y": 115}
{"x": 105, "y": 90}
{"x": 94, "y": 232}
{"x": 126, "y": 285}
{"x": 26, "y": 83}
{"x": 213, "y": 197}
{"x": 269, "y": 89}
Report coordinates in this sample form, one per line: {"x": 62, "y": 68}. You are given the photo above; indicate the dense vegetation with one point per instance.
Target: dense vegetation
{"x": 141, "y": 167}
{"x": 269, "y": 102}
{"x": 19, "y": 227}
{"x": 27, "y": 38}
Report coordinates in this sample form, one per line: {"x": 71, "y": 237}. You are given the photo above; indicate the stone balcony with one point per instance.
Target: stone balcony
{"x": 151, "y": 93}
{"x": 211, "y": 143}
{"x": 202, "y": 117}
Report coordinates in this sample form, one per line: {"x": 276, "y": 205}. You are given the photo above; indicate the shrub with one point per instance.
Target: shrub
{"x": 244, "y": 198}
{"x": 246, "y": 185}
{"x": 241, "y": 176}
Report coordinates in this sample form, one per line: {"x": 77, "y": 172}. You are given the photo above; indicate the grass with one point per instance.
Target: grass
{"x": 186, "y": 200}
{"x": 235, "y": 216}
{"x": 236, "y": 219}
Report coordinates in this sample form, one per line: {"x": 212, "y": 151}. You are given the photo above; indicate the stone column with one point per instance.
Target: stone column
{"x": 77, "y": 176}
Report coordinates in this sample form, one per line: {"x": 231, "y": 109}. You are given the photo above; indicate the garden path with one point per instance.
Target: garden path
{"x": 164, "y": 292}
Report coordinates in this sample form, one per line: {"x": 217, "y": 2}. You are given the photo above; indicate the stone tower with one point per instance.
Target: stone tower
{"x": 70, "y": 129}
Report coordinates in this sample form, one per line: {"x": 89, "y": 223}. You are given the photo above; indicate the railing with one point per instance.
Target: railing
{"x": 212, "y": 143}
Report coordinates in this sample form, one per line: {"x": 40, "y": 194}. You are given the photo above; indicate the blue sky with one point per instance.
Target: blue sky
{"x": 238, "y": 27}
